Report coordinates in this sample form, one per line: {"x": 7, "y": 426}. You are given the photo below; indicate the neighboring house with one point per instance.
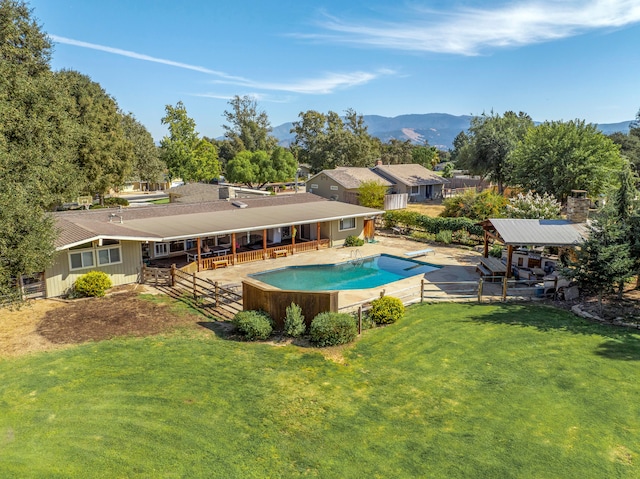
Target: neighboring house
{"x": 119, "y": 241}
{"x": 204, "y": 192}
{"x": 342, "y": 183}
{"x": 417, "y": 181}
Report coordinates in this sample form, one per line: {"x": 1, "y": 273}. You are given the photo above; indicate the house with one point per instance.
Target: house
{"x": 212, "y": 234}
{"x": 342, "y": 183}
{"x": 417, "y": 181}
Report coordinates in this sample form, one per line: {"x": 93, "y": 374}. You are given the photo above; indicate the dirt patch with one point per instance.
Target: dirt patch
{"x": 96, "y": 319}
{"x": 47, "y": 324}
{"x": 428, "y": 209}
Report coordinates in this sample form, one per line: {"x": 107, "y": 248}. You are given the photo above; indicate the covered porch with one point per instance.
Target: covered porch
{"x": 218, "y": 251}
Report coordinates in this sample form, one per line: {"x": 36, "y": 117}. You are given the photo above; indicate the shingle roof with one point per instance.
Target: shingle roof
{"x": 176, "y": 221}
{"x": 352, "y": 177}
{"x": 539, "y": 232}
{"x": 410, "y": 174}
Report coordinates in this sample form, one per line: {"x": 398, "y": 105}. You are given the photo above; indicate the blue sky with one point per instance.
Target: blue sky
{"x": 555, "y": 60}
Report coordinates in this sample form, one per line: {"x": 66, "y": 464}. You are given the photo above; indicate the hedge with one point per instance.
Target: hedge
{"x": 428, "y": 224}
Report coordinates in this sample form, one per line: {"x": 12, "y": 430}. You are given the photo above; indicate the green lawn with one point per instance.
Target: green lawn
{"x": 451, "y": 391}
{"x": 161, "y": 201}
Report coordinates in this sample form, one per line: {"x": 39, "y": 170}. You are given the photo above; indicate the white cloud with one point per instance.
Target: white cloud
{"x": 328, "y": 83}
{"x": 468, "y": 31}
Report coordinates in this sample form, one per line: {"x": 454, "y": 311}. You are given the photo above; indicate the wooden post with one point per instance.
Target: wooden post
{"x": 509, "y": 260}
{"x": 382, "y": 293}
{"x": 293, "y": 239}
{"x": 195, "y": 290}
{"x": 359, "y": 320}
{"x": 504, "y": 288}
{"x": 173, "y": 275}
{"x": 485, "y": 252}
{"x": 198, "y": 246}
{"x": 422, "y": 290}
{"x": 318, "y": 238}
{"x": 264, "y": 243}
{"x": 480, "y": 283}
{"x": 233, "y": 248}
{"x": 215, "y": 294}
{"x": 143, "y": 271}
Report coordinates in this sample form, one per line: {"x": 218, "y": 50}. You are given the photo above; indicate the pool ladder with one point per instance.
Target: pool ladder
{"x": 356, "y": 258}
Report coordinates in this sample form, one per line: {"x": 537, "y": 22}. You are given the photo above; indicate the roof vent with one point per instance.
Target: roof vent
{"x": 239, "y": 204}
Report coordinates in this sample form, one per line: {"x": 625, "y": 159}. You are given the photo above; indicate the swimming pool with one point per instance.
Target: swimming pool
{"x": 363, "y": 273}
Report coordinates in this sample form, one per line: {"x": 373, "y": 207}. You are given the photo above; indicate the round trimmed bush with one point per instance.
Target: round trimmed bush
{"x": 386, "y": 310}
{"x": 331, "y": 329}
{"x": 92, "y": 284}
{"x": 253, "y": 325}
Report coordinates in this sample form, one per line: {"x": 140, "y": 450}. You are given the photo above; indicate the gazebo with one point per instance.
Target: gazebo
{"x": 531, "y": 233}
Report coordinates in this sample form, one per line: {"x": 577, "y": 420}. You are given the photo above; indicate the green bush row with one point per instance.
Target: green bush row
{"x": 327, "y": 329}
{"x": 353, "y": 241}
{"x": 428, "y": 224}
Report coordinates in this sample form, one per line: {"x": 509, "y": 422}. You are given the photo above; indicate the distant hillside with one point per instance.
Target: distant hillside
{"x": 439, "y": 129}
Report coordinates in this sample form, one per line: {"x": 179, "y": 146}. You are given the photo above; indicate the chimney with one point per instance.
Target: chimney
{"x": 378, "y": 162}
{"x": 578, "y": 206}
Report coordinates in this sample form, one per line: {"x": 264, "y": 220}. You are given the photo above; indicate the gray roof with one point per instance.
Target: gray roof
{"x": 178, "y": 221}
{"x": 410, "y": 174}
{"x": 539, "y": 232}
{"x": 352, "y": 177}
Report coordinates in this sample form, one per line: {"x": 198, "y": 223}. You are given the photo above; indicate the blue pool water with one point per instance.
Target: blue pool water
{"x": 368, "y": 272}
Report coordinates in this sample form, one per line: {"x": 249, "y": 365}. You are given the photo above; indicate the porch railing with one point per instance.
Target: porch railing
{"x": 262, "y": 254}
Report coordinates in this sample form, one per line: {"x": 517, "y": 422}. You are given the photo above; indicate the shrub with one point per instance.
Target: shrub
{"x": 115, "y": 201}
{"x": 463, "y": 237}
{"x": 294, "y": 321}
{"x": 386, "y": 310}
{"x": 353, "y": 241}
{"x": 92, "y": 284}
{"x": 496, "y": 251}
{"x": 424, "y": 237}
{"x": 331, "y": 329}
{"x": 443, "y": 236}
{"x": 253, "y": 324}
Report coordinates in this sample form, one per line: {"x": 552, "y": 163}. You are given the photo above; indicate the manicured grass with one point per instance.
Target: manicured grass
{"x": 450, "y": 391}
{"x": 161, "y": 201}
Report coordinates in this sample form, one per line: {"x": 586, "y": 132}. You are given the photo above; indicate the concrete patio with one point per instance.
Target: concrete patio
{"x": 459, "y": 265}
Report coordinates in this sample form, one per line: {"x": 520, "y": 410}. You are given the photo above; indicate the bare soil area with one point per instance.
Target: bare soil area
{"x": 47, "y": 324}
{"x": 428, "y": 209}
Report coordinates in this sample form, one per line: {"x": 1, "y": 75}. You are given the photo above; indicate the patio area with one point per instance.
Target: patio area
{"x": 459, "y": 266}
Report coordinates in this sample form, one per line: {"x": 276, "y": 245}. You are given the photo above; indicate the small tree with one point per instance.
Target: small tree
{"x": 294, "y": 321}
{"x": 371, "y": 194}
{"x": 533, "y": 206}
{"x": 477, "y": 206}
{"x": 603, "y": 263}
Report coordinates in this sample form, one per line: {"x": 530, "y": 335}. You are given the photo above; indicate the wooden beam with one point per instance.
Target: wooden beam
{"x": 293, "y": 238}
{"x": 509, "y": 259}
{"x": 318, "y": 236}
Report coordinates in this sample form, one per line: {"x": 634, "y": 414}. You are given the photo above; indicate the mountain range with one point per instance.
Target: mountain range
{"x": 439, "y": 129}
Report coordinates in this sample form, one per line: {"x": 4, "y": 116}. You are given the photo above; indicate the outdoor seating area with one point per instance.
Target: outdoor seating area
{"x": 491, "y": 267}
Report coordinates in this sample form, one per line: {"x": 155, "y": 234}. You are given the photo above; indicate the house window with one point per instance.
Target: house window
{"x": 415, "y": 190}
{"x": 334, "y": 188}
{"x": 347, "y": 224}
{"x": 176, "y": 246}
{"x": 192, "y": 243}
{"x": 109, "y": 256}
{"x": 81, "y": 259}
{"x": 161, "y": 249}
{"x": 314, "y": 186}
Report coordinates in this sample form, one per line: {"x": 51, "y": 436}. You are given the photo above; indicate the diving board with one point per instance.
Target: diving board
{"x": 422, "y": 252}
